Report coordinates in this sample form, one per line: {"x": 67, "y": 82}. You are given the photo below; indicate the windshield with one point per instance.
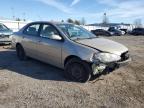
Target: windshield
{"x": 3, "y": 27}
{"x": 75, "y": 32}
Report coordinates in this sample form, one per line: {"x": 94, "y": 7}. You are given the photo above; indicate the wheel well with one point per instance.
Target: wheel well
{"x": 18, "y": 44}
{"x": 70, "y": 57}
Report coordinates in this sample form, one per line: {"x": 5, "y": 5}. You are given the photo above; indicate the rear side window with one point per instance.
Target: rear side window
{"x": 32, "y": 30}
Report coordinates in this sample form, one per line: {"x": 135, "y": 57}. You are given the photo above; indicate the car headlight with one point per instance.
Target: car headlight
{"x": 106, "y": 57}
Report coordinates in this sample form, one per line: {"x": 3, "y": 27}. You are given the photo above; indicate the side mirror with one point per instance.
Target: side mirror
{"x": 56, "y": 37}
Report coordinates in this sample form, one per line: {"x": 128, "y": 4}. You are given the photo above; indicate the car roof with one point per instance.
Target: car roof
{"x": 51, "y": 22}
{"x": 48, "y": 22}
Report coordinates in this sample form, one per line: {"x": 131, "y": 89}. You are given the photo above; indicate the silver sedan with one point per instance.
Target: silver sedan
{"x": 70, "y": 47}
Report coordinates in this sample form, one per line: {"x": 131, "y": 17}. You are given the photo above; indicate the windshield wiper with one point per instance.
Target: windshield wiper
{"x": 91, "y": 37}
{"x": 77, "y": 38}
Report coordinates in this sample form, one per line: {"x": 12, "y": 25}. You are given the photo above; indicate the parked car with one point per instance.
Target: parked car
{"x": 138, "y": 31}
{"x": 115, "y": 32}
{"x": 124, "y": 30}
{"x": 5, "y": 33}
{"x": 79, "y": 52}
{"x": 101, "y": 32}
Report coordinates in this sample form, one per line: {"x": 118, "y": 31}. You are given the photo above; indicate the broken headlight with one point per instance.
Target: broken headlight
{"x": 106, "y": 57}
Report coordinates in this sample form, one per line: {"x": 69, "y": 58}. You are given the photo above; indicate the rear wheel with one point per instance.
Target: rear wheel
{"x": 108, "y": 34}
{"x": 20, "y": 52}
{"x": 78, "y": 70}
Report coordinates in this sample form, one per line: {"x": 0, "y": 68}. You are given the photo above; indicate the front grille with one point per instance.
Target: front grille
{"x": 124, "y": 56}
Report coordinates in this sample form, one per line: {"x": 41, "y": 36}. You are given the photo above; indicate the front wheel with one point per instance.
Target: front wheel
{"x": 78, "y": 70}
{"x": 20, "y": 52}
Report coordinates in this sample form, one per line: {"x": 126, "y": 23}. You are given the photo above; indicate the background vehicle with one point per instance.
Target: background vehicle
{"x": 138, "y": 31}
{"x": 125, "y": 30}
{"x": 5, "y": 33}
{"x": 115, "y": 32}
{"x": 101, "y": 32}
{"x": 70, "y": 47}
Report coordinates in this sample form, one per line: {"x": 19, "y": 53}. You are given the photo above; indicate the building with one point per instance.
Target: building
{"x": 14, "y": 25}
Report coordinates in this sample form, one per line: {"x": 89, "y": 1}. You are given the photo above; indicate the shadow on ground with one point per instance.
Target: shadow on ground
{"x": 31, "y": 68}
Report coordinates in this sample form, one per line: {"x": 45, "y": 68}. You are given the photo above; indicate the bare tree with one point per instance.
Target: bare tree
{"x": 83, "y": 21}
{"x": 62, "y": 20}
{"x": 69, "y": 20}
{"x": 77, "y": 22}
{"x": 138, "y": 23}
{"x": 18, "y": 19}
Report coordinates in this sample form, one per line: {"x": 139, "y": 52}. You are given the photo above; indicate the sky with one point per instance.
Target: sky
{"x": 118, "y": 11}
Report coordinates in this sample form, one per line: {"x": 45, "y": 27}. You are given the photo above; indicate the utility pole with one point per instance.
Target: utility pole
{"x": 138, "y": 23}
{"x": 105, "y": 19}
{"x": 24, "y": 16}
{"x": 13, "y": 14}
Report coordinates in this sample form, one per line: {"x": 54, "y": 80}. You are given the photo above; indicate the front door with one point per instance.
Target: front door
{"x": 50, "y": 49}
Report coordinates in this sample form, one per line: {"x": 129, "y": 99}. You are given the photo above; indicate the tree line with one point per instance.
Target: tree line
{"x": 77, "y": 22}
{"x": 69, "y": 20}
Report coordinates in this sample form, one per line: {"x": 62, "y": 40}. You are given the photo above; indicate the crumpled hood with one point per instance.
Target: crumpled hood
{"x": 104, "y": 45}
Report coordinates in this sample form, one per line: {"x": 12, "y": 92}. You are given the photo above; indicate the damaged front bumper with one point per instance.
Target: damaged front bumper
{"x": 100, "y": 68}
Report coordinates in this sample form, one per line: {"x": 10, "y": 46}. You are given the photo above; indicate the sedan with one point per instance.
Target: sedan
{"x": 101, "y": 32}
{"x": 79, "y": 52}
{"x": 115, "y": 32}
{"x": 5, "y": 33}
{"x": 138, "y": 31}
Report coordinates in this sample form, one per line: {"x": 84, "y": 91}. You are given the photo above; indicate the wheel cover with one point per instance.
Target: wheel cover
{"x": 20, "y": 52}
{"x": 77, "y": 71}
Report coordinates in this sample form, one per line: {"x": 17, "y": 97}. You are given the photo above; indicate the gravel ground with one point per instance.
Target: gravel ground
{"x": 32, "y": 84}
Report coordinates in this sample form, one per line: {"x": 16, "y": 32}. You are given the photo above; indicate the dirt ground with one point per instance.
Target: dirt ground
{"x": 32, "y": 84}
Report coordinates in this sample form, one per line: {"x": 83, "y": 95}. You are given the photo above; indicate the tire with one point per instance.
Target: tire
{"x": 20, "y": 52}
{"x": 78, "y": 70}
{"x": 108, "y": 34}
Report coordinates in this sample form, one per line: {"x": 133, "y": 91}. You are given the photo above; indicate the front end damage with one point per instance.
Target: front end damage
{"x": 102, "y": 68}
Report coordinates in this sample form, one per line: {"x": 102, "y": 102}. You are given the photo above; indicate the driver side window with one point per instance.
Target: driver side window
{"x": 48, "y": 31}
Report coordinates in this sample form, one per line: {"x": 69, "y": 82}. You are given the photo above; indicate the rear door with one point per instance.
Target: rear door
{"x": 31, "y": 38}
